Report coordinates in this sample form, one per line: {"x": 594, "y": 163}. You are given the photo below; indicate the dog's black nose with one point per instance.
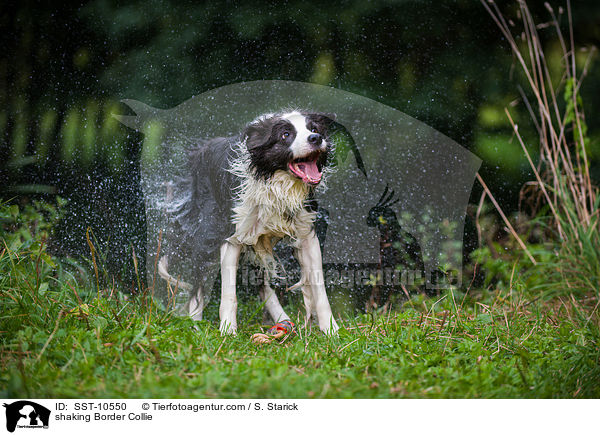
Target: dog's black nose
{"x": 315, "y": 139}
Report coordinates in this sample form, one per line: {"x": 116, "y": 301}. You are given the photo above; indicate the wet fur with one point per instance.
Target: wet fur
{"x": 268, "y": 205}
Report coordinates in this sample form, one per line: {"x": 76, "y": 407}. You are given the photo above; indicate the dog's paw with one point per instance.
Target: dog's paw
{"x": 228, "y": 328}
{"x": 330, "y": 328}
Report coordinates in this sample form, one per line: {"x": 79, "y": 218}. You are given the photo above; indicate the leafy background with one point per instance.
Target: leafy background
{"x": 64, "y": 69}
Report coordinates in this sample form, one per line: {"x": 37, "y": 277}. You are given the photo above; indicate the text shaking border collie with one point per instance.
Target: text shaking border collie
{"x": 279, "y": 160}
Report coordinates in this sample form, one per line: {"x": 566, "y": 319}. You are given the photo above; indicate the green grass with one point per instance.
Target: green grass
{"x": 60, "y": 337}
{"x": 54, "y": 346}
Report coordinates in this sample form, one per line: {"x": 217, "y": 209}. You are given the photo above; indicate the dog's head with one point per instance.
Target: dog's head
{"x": 296, "y": 142}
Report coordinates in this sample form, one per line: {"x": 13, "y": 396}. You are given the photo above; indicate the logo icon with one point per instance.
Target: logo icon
{"x": 26, "y": 414}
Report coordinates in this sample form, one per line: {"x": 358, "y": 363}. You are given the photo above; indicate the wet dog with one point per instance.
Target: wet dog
{"x": 277, "y": 163}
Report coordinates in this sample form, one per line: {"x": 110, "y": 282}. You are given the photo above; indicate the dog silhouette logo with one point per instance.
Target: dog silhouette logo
{"x": 26, "y": 414}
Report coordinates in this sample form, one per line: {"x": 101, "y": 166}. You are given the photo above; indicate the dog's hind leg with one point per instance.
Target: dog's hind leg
{"x": 195, "y": 305}
{"x": 304, "y": 284}
{"x": 230, "y": 253}
{"x": 272, "y": 304}
{"x": 309, "y": 256}
{"x": 309, "y": 305}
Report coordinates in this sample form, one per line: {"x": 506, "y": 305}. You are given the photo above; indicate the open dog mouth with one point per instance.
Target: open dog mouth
{"x": 306, "y": 168}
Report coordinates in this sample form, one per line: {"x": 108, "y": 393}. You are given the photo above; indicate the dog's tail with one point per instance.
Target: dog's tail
{"x": 163, "y": 265}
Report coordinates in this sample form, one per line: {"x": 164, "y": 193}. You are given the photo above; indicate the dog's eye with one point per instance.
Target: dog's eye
{"x": 314, "y": 130}
{"x": 285, "y": 135}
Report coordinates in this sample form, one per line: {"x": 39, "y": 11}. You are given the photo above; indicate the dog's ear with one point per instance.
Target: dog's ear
{"x": 324, "y": 120}
{"x": 258, "y": 133}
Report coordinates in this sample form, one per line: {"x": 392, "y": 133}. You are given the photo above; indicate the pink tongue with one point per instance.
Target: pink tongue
{"x": 310, "y": 169}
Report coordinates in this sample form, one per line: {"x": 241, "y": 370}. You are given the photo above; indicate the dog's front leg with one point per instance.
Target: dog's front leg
{"x": 272, "y": 304}
{"x": 230, "y": 253}
{"x": 309, "y": 255}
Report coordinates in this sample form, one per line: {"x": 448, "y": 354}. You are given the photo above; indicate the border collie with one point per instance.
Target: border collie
{"x": 278, "y": 161}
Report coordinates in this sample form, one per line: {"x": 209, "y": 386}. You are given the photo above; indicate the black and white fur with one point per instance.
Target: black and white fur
{"x": 279, "y": 160}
